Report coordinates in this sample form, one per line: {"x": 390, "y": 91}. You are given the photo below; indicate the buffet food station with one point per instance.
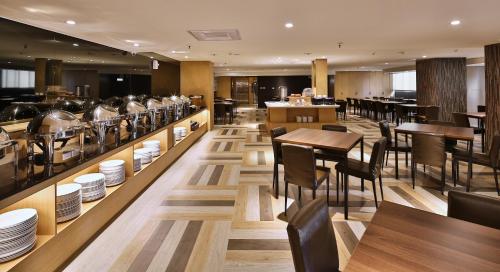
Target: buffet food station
{"x": 73, "y": 173}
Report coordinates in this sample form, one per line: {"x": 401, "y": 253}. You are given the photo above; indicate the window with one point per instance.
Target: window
{"x": 404, "y": 81}
{"x": 18, "y": 78}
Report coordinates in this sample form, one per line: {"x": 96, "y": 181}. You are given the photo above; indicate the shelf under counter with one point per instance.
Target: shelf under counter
{"x": 283, "y": 114}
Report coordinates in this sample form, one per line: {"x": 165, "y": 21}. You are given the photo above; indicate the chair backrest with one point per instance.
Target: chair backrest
{"x": 428, "y": 149}
{"x": 276, "y": 132}
{"x": 342, "y": 104}
{"x": 461, "y": 119}
{"x": 401, "y": 111}
{"x": 385, "y": 130}
{"x": 379, "y": 106}
{"x": 349, "y": 101}
{"x": 300, "y": 165}
{"x": 220, "y": 108}
{"x": 478, "y": 209}
{"x": 312, "y": 238}
{"x": 432, "y": 113}
{"x": 377, "y": 156}
{"x": 481, "y": 108}
{"x": 337, "y": 128}
{"x": 356, "y": 102}
{"x": 495, "y": 151}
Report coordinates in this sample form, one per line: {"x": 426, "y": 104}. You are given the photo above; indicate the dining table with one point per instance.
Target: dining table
{"x": 339, "y": 142}
{"x": 401, "y": 238}
{"x": 449, "y": 132}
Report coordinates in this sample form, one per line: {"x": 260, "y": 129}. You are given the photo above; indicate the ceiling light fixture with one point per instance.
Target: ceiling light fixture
{"x": 75, "y": 44}
{"x": 289, "y": 25}
{"x": 424, "y": 57}
{"x": 386, "y": 63}
{"x": 70, "y": 22}
{"x": 136, "y": 44}
{"x": 455, "y": 22}
{"x": 186, "y": 57}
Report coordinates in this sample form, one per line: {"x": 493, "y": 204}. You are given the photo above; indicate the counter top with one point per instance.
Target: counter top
{"x": 288, "y": 105}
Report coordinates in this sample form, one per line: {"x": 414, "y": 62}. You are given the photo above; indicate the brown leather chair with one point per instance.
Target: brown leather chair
{"x": 462, "y": 120}
{"x": 474, "y": 208}
{"x": 342, "y": 109}
{"x": 385, "y": 130}
{"x": 428, "y": 149}
{"x": 312, "y": 239}
{"x": 278, "y": 157}
{"x": 489, "y": 160}
{"x": 300, "y": 169}
{"x": 370, "y": 171}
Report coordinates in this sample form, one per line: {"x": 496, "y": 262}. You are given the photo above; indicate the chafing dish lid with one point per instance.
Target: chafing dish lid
{"x": 167, "y": 102}
{"x": 53, "y": 121}
{"x": 130, "y": 97}
{"x": 153, "y": 104}
{"x": 4, "y": 136}
{"x": 69, "y": 105}
{"x": 101, "y": 112}
{"x": 132, "y": 107}
{"x": 18, "y": 112}
{"x": 142, "y": 97}
{"x": 114, "y": 101}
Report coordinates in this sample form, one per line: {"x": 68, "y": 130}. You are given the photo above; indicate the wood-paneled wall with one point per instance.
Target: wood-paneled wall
{"x": 443, "y": 82}
{"x": 361, "y": 84}
{"x": 165, "y": 80}
{"x": 223, "y": 88}
{"x": 319, "y": 76}
{"x": 492, "y": 89}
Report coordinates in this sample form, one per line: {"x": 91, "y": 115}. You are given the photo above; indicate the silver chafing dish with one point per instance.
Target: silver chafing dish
{"x": 142, "y": 97}
{"x": 129, "y": 98}
{"x": 54, "y": 126}
{"x": 9, "y": 146}
{"x": 134, "y": 113}
{"x": 69, "y": 105}
{"x": 186, "y": 105}
{"x": 18, "y": 112}
{"x": 169, "y": 112}
{"x": 156, "y": 110}
{"x": 114, "y": 101}
{"x": 102, "y": 118}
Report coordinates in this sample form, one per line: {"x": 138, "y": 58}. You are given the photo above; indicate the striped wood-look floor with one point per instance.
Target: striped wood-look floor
{"x": 213, "y": 209}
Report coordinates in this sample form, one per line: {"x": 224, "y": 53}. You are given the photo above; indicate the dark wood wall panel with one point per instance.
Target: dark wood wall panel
{"x": 443, "y": 82}
{"x": 492, "y": 89}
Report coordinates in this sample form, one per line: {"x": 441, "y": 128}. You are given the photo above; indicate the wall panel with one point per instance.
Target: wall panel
{"x": 492, "y": 87}
{"x": 361, "y": 84}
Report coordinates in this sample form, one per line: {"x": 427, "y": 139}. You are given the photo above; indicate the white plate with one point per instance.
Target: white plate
{"x": 68, "y": 189}
{"x": 92, "y": 178}
{"x": 16, "y": 217}
{"x": 111, "y": 163}
{"x": 16, "y": 254}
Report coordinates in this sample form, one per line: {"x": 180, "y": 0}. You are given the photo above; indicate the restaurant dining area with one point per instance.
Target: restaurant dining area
{"x": 249, "y": 136}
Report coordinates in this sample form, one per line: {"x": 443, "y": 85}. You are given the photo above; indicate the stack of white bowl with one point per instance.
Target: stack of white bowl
{"x": 137, "y": 162}
{"x": 145, "y": 153}
{"x": 68, "y": 201}
{"x": 114, "y": 171}
{"x": 154, "y": 145}
{"x": 17, "y": 233}
{"x": 180, "y": 132}
{"x": 93, "y": 186}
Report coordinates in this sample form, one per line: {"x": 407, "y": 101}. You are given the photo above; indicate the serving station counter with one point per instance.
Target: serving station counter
{"x": 293, "y": 116}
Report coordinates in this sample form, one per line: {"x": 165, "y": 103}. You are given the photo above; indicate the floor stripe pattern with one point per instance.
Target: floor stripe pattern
{"x": 213, "y": 210}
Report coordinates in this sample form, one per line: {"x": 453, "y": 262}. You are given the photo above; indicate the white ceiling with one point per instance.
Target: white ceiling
{"x": 373, "y": 32}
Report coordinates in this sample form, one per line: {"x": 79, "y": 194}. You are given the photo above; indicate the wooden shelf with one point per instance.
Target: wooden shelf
{"x": 40, "y": 241}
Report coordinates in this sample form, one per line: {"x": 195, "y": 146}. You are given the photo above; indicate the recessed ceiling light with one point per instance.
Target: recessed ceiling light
{"x": 9, "y": 62}
{"x": 136, "y": 44}
{"x": 29, "y": 56}
{"x": 227, "y": 69}
{"x": 91, "y": 60}
{"x": 455, "y": 22}
{"x": 151, "y": 57}
{"x": 75, "y": 44}
{"x": 289, "y": 25}
{"x": 186, "y": 57}
{"x": 424, "y": 57}
{"x": 323, "y": 57}
{"x": 70, "y": 22}
{"x": 386, "y": 63}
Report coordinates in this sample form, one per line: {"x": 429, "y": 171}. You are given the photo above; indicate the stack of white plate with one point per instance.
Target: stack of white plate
{"x": 154, "y": 145}
{"x": 68, "y": 201}
{"x": 145, "y": 153}
{"x": 93, "y": 186}
{"x": 137, "y": 162}
{"x": 180, "y": 132}
{"x": 17, "y": 233}
{"x": 114, "y": 171}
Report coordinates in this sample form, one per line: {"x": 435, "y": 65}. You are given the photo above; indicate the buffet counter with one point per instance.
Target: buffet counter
{"x": 57, "y": 242}
{"x": 293, "y": 116}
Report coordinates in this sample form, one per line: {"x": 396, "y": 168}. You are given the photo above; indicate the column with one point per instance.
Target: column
{"x": 492, "y": 91}
{"x": 319, "y": 76}
{"x": 40, "y": 66}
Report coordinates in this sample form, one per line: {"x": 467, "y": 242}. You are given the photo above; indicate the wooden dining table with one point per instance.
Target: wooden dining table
{"x": 339, "y": 142}
{"x": 450, "y": 133}
{"x": 401, "y": 238}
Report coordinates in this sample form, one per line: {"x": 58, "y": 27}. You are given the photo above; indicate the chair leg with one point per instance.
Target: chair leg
{"x": 375, "y": 193}
{"x": 323, "y": 163}
{"x": 300, "y": 194}
{"x": 495, "y": 173}
{"x": 424, "y": 168}
{"x": 457, "y": 174}
{"x": 443, "y": 178}
{"x": 386, "y": 157}
{"x": 337, "y": 176}
{"x": 453, "y": 173}
{"x": 277, "y": 191}
{"x": 381, "y": 189}
{"x": 413, "y": 168}
{"x": 286, "y": 194}
{"x": 406, "y": 157}
{"x": 314, "y": 193}
{"x": 362, "y": 185}
{"x": 328, "y": 191}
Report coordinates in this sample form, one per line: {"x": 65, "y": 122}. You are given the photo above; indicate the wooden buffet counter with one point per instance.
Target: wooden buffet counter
{"x": 283, "y": 114}
{"x": 58, "y": 242}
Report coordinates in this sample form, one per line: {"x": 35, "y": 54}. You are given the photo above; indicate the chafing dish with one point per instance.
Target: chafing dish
{"x": 9, "y": 146}
{"x": 186, "y": 105}
{"x": 134, "y": 113}
{"x": 178, "y": 107}
{"x": 69, "y": 105}
{"x": 143, "y": 97}
{"x": 91, "y": 102}
{"x": 169, "y": 113}
{"x": 156, "y": 110}
{"x": 102, "y": 118}
{"x": 54, "y": 126}
{"x": 114, "y": 101}
{"x": 129, "y": 97}
{"x": 18, "y": 112}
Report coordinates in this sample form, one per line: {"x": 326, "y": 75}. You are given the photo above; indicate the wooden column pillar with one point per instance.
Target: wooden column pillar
{"x": 197, "y": 78}
{"x": 53, "y": 73}
{"x": 492, "y": 90}
{"x": 443, "y": 82}
{"x": 40, "y": 66}
{"x": 165, "y": 81}
{"x": 319, "y": 76}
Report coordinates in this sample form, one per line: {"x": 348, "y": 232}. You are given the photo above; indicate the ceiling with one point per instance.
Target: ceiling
{"x": 374, "y": 34}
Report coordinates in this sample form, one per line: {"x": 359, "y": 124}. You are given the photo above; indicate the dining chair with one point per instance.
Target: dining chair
{"x": 356, "y": 106}
{"x": 381, "y": 111}
{"x": 342, "y": 109}
{"x": 481, "y": 108}
{"x": 300, "y": 169}
{"x": 401, "y": 114}
{"x": 365, "y": 170}
{"x": 385, "y": 130}
{"x": 220, "y": 112}
{"x": 474, "y": 208}
{"x": 278, "y": 156}
{"x": 428, "y": 149}
{"x": 328, "y": 155}
{"x": 462, "y": 120}
{"x": 312, "y": 239}
{"x": 349, "y": 104}
{"x": 489, "y": 159}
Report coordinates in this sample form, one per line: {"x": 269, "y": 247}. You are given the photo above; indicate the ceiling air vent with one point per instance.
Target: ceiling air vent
{"x": 216, "y": 35}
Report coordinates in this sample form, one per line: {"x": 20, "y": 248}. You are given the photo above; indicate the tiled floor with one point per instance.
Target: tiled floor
{"x": 213, "y": 209}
